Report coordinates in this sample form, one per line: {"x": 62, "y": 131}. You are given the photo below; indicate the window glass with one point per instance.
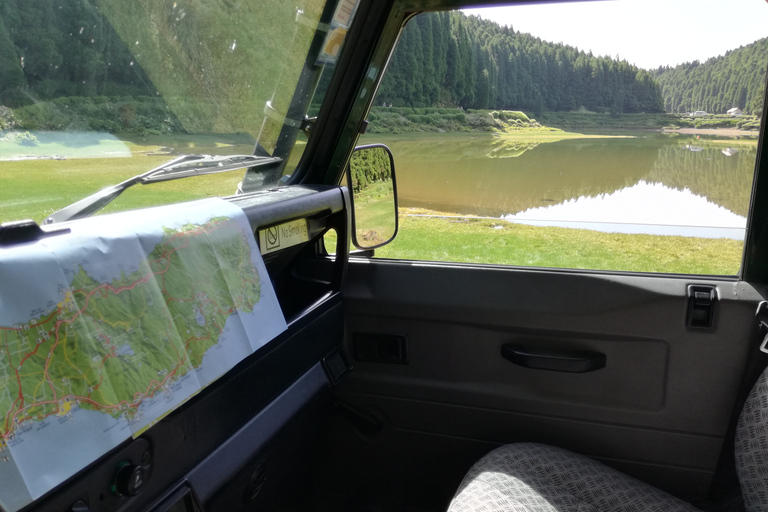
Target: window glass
{"x": 93, "y": 92}
{"x": 582, "y": 142}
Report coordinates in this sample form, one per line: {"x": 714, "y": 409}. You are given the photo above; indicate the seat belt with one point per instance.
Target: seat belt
{"x": 725, "y": 488}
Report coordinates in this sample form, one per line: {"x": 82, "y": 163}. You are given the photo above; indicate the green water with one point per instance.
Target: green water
{"x": 483, "y": 175}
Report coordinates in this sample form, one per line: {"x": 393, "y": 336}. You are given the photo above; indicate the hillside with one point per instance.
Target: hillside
{"x": 736, "y": 79}
{"x": 76, "y": 64}
{"x": 69, "y": 66}
{"x": 50, "y": 51}
{"x": 453, "y": 60}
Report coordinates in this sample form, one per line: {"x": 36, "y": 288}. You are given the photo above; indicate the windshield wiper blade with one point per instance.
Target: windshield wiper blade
{"x": 181, "y": 167}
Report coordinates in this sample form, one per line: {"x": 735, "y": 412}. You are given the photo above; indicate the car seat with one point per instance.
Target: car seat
{"x": 529, "y": 477}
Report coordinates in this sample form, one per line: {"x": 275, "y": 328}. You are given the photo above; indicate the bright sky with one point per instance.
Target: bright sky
{"x": 647, "y": 33}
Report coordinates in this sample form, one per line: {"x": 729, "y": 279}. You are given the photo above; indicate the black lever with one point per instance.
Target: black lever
{"x": 702, "y": 303}
{"x": 762, "y": 314}
{"x": 554, "y": 360}
{"x": 762, "y": 318}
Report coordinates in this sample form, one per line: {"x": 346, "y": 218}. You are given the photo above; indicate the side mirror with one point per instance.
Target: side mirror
{"x": 371, "y": 180}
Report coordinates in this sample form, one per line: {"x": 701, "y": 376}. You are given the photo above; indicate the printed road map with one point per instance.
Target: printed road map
{"x": 107, "y": 329}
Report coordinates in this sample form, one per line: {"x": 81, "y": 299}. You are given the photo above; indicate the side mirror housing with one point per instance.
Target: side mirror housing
{"x": 371, "y": 180}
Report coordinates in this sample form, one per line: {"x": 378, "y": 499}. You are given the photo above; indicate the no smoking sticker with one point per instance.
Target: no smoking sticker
{"x": 283, "y": 236}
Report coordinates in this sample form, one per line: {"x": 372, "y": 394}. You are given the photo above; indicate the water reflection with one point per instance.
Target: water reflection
{"x": 649, "y": 208}
{"x": 452, "y": 178}
{"x": 725, "y": 180}
{"x": 506, "y": 148}
{"x": 24, "y": 145}
{"x": 455, "y": 174}
{"x": 683, "y": 176}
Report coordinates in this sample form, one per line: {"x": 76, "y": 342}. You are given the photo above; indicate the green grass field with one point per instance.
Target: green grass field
{"x": 34, "y": 192}
{"x": 474, "y": 240}
{"x": 35, "y": 188}
{"x": 426, "y": 235}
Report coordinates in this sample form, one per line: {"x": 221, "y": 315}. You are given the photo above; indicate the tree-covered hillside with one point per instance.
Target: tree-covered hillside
{"x": 736, "y": 79}
{"x": 148, "y": 66}
{"x": 449, "y": 59}
{"x": 51, "y": 49}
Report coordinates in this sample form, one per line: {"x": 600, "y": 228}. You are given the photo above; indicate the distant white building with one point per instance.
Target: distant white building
{"x": 734, "y": 112}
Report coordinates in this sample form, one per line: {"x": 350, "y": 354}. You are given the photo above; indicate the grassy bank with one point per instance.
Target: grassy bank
{"x": 440, "y": 120}
{"x": 414, "y": 120}
{"x": 474, "y": 240}
{"x": 591, "y": 120}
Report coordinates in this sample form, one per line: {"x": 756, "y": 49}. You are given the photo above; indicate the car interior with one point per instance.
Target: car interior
{"x": 404, "y": 385}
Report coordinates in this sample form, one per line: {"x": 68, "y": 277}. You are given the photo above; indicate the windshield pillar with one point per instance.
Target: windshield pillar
{"x": 288, "y": 126}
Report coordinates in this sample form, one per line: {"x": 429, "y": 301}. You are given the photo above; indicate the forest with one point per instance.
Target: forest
{"x": 66, "y": 64}
{"x": 736, "y": 79}
{"x": 450, "y": 59}
{"x": 147, "y": 67}
{"x": 51, "y": 51}
{"x": 454, "y": 60}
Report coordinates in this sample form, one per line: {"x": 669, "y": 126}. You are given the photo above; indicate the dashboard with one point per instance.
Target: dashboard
{"x": 246, "y": 437}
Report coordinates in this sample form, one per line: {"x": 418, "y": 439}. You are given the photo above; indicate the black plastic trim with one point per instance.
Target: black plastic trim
{"x": 287, "y": 203}
{"x": 224, "y": 463}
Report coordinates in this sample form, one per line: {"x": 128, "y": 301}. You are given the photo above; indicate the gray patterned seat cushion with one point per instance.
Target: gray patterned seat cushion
{"x": 751, "y": 447}
{"x": 527, "y": 477}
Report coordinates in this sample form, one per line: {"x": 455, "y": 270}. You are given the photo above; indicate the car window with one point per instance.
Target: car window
{"x": 93, "y": 93}
{"x": 520, "y": 146}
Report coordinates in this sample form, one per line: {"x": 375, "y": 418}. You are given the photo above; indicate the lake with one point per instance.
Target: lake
{"x": 654, "y": 183}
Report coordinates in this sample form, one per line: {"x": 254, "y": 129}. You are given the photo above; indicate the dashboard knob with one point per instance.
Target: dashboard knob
{"x": 129, "y": 479}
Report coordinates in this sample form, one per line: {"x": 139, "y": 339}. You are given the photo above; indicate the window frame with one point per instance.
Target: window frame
{"x": 755, "y": 248}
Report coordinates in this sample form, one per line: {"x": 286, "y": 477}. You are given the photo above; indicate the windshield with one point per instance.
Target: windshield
{"x": 95, "y": 92}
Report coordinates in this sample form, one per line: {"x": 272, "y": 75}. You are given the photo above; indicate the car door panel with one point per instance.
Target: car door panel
{"x": 660, "y": 409}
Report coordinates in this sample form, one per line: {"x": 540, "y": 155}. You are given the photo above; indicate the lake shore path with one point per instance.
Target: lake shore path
{"x": 727, "y": 132}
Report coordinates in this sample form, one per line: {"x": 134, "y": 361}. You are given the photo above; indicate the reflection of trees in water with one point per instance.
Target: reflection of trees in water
{"x": 481, "y": 146}
{"x": 457, "y": 176}
{"x": 478, "y": 176}
{"x": 722, "y": 179}
{"x": 473, "y": 147}
{"x": 506, "y": 148}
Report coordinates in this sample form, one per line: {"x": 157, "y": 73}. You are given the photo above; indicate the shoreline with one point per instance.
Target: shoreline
{"x": 566, "y": 132}
{"x": 728, "y": 132}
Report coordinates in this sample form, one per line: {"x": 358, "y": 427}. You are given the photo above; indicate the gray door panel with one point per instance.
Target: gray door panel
{"x": 660, "y": 408}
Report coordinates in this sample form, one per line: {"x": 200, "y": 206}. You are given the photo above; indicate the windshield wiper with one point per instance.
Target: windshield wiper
{"x": 181, "y": 167}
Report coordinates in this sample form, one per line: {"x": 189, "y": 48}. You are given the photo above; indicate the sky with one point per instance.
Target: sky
{"x": 647, "y": 33}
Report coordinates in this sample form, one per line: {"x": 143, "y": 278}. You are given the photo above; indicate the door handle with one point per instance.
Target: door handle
{"x": 568, "y": 361}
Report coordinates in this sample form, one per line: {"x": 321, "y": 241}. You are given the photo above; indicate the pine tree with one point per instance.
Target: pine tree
{"x": 12, "y": 81}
